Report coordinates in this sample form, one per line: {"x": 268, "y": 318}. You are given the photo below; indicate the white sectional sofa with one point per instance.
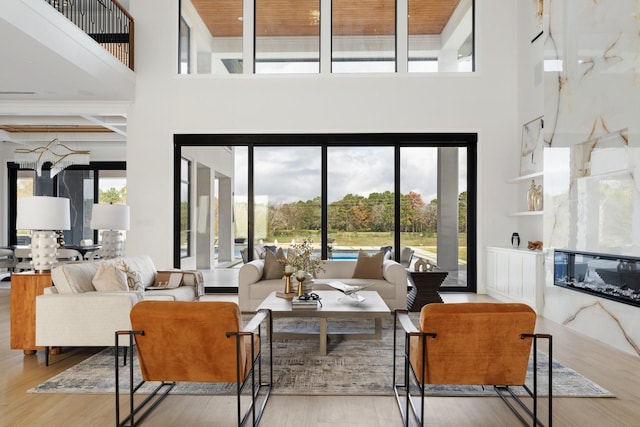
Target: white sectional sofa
{"x": 72, "y": 313}
{"x": 253, "y": 288}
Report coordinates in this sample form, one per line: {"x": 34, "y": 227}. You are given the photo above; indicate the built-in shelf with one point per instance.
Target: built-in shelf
{"x": 528, "y": 213}
{"x": 525, "y": 177}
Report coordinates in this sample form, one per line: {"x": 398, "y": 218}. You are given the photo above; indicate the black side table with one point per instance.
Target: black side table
{"x": 425, "y": 285}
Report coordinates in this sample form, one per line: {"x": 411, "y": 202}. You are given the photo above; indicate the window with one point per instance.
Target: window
{"x": 440, "y": 40}
{"x": 290, "y": 48}
{"x": 355, "y": 191}
{"x": 184, "y": 47}
{"x": 360, "y": 205}
{"x": 185, "y": 208}
{"x": 363, "y": 36}
{"x": 357, "y": 37}
{"x": 434, "y": 213}
{"x": 82, "y": 185}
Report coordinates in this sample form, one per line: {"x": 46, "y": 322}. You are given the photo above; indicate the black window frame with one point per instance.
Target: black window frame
{"x": 12, "y": 194}
{"x": 467, "y": 140}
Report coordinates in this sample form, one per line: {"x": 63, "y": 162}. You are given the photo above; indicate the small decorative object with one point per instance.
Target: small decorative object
{"x": 535, "y": 245}
{"x": 531, "y": 196}
{"x": 423, "y": 265}
{"x": 515, "y": 240}
{"x": 60, "y": 238}
{"x": 288, "y": 272}
{"x": 537, "y": 199}
{"x": 300, "y": 277}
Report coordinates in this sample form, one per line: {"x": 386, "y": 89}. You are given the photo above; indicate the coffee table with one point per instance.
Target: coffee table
{"x": 334, "y": 305}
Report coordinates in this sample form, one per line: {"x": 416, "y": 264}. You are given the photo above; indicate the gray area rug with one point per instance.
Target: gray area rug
{"x": 351, "y": 367}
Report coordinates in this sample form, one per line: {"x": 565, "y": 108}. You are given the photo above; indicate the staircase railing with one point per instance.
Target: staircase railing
{"x": 106, "y": 21}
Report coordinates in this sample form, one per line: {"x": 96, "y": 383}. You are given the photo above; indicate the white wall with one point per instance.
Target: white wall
{"x": 484, "y": 102}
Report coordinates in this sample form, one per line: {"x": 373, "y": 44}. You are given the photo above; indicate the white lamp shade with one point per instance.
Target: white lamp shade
{"x": 110, "y": 217}
{"x": 43, "y": 213}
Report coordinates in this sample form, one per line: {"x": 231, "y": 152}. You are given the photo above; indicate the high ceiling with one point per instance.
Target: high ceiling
{"x": 38, "y": 82}
{"x": 302, "y": 17}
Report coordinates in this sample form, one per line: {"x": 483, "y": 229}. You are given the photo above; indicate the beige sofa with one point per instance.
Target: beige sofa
{"x": 72, "y": 313}
{"x": 253, "y": 289}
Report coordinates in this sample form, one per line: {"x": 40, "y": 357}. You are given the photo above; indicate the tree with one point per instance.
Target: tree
{"x": 113, "y": 195}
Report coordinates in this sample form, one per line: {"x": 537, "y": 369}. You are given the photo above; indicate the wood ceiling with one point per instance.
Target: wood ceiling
{"x": 302, "y": 17}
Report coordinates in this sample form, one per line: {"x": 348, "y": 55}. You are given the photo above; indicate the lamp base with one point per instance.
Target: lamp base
{"x": 112, "y": 244}
{"x": 43, "y": 250}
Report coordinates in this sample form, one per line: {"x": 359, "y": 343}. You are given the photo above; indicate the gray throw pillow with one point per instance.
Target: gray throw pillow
{"x": 273, "y": 269}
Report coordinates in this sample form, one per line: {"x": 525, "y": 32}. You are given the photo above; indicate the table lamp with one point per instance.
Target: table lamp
{"x": 112, "y": 219}
{"x": 43, "y": 215}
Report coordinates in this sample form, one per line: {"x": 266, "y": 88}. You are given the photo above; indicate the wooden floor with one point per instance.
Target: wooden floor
{"x": 617, "y": 371}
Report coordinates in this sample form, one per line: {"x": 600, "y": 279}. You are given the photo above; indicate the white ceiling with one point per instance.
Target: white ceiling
{"x": 53, "y": 74}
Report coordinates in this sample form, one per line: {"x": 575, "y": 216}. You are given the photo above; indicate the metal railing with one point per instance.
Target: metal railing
{"x": 105, "y": 21}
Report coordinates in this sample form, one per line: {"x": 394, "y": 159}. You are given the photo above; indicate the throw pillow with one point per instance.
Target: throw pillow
{"x": 134, "y": 279}
{"x": 273, "y": 265}
{"x": 369, "y": 266}
{"x": 109, "y": 278}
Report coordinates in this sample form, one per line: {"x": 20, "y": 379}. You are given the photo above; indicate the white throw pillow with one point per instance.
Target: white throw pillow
{"x": 109, "y": 278}
{"x": 133, "y": 277}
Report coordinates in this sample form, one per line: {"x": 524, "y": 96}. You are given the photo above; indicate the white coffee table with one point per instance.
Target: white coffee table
{"x": 334, "y": 305}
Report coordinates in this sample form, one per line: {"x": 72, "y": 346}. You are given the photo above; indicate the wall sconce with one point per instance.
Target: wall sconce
{"x": 112, "y": 219}
{"x": 43, "y": 216}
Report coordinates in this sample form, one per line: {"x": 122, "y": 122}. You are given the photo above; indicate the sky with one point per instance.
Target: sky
{"x": 294, "y": 174}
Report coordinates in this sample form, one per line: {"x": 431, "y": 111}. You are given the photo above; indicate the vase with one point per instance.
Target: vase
{"x": 515, "y": 240}
{"x": 537, "y": 199}
{"x": 531, "y": 196}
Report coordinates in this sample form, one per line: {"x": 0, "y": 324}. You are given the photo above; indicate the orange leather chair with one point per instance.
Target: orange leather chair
{"x": 486, "y": 344}
{"x": 197, "y": 342}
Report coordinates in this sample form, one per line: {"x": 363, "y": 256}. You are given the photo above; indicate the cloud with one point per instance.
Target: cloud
{"x": 290, "y": 174}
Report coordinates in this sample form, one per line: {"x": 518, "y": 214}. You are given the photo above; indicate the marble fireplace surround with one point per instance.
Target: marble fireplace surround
{"x": 591, "y": 155}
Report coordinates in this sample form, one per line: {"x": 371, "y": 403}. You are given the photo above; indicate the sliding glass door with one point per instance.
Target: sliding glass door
{"x": 411, "y": 195}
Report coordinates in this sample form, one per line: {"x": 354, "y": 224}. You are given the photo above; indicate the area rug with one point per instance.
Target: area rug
{"x": 351, "y": 367}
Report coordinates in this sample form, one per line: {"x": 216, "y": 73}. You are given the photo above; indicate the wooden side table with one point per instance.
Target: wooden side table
{"x": 425, "y": 288}
{"x": 25, "y": 286}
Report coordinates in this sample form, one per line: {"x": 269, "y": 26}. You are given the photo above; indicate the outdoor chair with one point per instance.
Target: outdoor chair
{"x": 197, "y": 342}
{"x": 487, "y": 344}
{"x": 23, "y": 259}
{"x": 7, "y": 260}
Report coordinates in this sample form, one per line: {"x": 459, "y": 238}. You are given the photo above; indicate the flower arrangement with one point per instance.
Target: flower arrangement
{"x": 299, "y": 257}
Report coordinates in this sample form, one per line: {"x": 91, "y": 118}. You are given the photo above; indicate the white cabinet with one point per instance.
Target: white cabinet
{"x": 516, "y": 275}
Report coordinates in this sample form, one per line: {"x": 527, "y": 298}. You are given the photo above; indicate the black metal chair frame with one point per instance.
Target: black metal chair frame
{"x": 138, "y": 413}
{"x": 406, "y": 401}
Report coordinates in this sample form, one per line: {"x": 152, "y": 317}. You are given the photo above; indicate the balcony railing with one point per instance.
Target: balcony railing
{"x": 105, "y": 21}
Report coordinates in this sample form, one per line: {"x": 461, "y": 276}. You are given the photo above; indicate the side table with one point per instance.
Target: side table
{"x": 25, "y": 286}
{"x": 425, "y": 288}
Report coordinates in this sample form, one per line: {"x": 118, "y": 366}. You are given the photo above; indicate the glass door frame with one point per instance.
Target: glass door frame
{"x": 396, "y": 140}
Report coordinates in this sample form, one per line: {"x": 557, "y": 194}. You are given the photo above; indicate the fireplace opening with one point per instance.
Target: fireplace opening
{"x": 610, "y": 276}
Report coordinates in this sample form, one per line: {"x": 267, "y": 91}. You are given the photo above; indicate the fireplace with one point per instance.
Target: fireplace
{"x": 614, "y": 277}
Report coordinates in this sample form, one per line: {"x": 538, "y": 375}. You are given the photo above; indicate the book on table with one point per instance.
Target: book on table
{"x": 306, "y": 304}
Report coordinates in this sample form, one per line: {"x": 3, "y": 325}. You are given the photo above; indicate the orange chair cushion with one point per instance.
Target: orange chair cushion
{"x": 186, "y": 341}
{"x": 476, "y": 343}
